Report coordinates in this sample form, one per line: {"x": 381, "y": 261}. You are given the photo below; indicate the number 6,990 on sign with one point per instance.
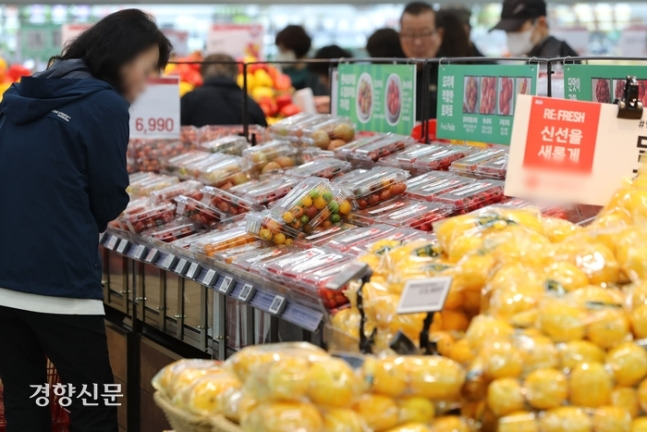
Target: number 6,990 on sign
{"x": 154, "y": 124}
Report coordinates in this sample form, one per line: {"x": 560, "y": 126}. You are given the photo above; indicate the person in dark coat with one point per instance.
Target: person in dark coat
{"x": 63, "y": 178}
{"x": 220, "y": 100}
{"x": 385, "y": 43}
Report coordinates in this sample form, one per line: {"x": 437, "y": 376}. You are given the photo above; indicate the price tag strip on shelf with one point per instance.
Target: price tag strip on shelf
{"x": 156, "y": 114}
{"x": 277, "y": 306}
{"x": 167, "y": 261}
{"x": 246, "y": 292}
{"x": 424, "y": 295}
{"x": 111, "y": 243}
{"x": 140, "y": 252}
{"x": 209, "y": 277}
{"x": 181, "y": 266}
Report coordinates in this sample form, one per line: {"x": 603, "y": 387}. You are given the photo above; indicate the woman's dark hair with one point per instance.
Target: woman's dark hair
{"x": 385, "y": 42}
{"x": 328, "y": 52}
{"x": 294, "y": 38}
{"x": 455, "y": 43}
{"x": 114, "y": 41}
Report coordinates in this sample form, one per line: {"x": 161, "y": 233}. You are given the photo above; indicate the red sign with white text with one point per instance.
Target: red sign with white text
{"x": 561, "y": 135}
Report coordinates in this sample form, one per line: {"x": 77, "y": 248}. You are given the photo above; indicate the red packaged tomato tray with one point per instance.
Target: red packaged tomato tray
{"x": 495, "y": 168}
{"x": 265, "y": 191}
{"x": 468, "y": 165}
{"x": 441, "y": 159}
{"x": 416, "y": 214}
{"x": 473, "y": 196}
{"x": 367, "y": 154}
{"x": 189, "y": 188}
{"x": 228, "y": 203}
{"x": 347, "y": 240}
{"x": 406, "y": 158}
{"x": 427, "y": 187}
{"x": 173, "y": 231}
{"x": 151, "y": 217}
{"x": 232, "y": 145}
{"x": 198, "y": 211}
{"x": 324, "y": 168}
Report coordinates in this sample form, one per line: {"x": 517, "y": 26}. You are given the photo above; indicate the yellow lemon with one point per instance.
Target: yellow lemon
{"x": 546, "y": 388}
{"x": 628, "y": 362}
{"x": 639, "y": 425}
{"x": 569, "y": 276}
{"x": 502, "y": 360}
{"x": 415, "y": 410}
{"x": 581, "y": 351}
{"x": 565, "y": 419}
{"x": 505, "y": 396}
{"x": 639, "y": 321}
{"x": 608, "y": 327}
{"x": 590, "y": 385}
{"x": 562, "y": 322}
{"x": 627, "y": 398}
{"x": 611, "y": 419}
{"x": 380, "y": 413}
{"x": 518, "y": 422}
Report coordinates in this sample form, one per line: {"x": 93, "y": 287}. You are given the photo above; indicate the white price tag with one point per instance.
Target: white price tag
{"x": 112, "y": 242}
{"x": 209, "y": 277}
{"x": 152, "y": 255}
{"x": 246, "y": 293}
{"x": 225, "y": 285}
{"x": 277, "y": 305}
{"x": 139, "y": 252}
{"x": 181, "y": 266}
{"x": 156, "y": 114}
{"x": 123, "y": 245}
{"x": 168, "y": 261}
{"x": 424, "y": 295}
{"x": 193, "y": 270}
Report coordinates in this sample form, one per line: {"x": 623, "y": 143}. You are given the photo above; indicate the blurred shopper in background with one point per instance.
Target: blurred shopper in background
{"x": 220, "y": 100}
{"x": 294, "y": 44}
{"x": 455, "y": 42}
{"x": 385, "y": 43}
{"x": 464, "y": 15}
{"x": 321, "y": 71}
{"x": 421, "y": 39}
{"x": 526, "y": 27}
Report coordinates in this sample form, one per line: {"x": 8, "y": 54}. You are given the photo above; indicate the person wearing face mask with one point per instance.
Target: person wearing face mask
{"x": 527, "y": 31}
{"x": 63, "y": 139}
{"x": 294, "y": 44}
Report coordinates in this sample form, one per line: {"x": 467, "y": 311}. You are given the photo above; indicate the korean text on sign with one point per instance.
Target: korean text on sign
{"x": 559, "y": 138}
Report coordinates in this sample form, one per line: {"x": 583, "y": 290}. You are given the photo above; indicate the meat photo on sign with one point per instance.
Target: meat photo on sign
{"x": 601, "y": 90}
{"x": 506, "y": 93}
{"x": 488, "y": 95}
{"x": 470, "y": 101}
{"x": 523, "y": 86}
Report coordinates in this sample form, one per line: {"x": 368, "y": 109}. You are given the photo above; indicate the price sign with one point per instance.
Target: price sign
{"x": 209, "y": 277}
{"x": 572, "y": 151}
{"x": 237, "y": 40}
{"x": 140, "y": 250}
{"x": 424, "y": 295}
{"x": 277, "y": 306}
{"x": 156, "y": 114}
{"x": 246, "y": 293}
{"x": 193, "y": 270}
{"x": 112, "y": 242}
{"x": 225, "y": 286}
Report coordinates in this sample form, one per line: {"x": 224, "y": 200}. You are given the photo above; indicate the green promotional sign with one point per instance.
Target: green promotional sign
{"x": 602, "y": 84}
{"x": 39, "y": 42}
{"x": 379, "y": 98}
{"x": 476, "y": 102}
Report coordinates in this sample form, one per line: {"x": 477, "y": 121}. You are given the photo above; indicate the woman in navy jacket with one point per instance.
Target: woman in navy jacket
{"x": 63, "y": 139}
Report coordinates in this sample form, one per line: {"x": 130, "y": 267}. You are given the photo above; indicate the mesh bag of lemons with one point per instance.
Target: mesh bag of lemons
{"x": 298, "y": 387}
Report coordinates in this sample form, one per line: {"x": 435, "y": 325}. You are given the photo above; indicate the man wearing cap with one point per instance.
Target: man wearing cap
{"x": 526, "y": 27}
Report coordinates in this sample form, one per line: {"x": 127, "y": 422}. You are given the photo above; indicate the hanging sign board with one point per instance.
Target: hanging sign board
{"x": 476, "y": 102}
{"x": 378, "y": 98}
{"x": 572, "y": 151}
{"x": 237, "y": 40}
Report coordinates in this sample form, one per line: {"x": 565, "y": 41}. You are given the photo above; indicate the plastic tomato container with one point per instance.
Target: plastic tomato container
{"x": 469, "y": 164}
{"x": 427, "y": 187}
{"x": 348, "y": 240}
{"x": 174, "y": 231}
{"x": 151, "y": 217}
{"x": 375, "y": 186}
{"x": 325, "y": 168}
{"x": 495, "y": 168}
{"x": 442, "y": 159}
{"x": 265, "y": 191}
{"x": 148, "y": 153}
{"x": 473, "y": 196}
{"x": 254, "y": 260}
{"x": 228, "y": 203}
{"x": 232, "y": 145}
{"x": 145, "y": 185}
{"x": 198, "y": 211}
{"x": 370, "y": 216}
{"x": 416, "y": 214}
{"x": 222, "y": 240}
{"x": 272, "y": 156}
{"x": 312, "y": 202}
{"x": 406, "y": 158}
{"x": 283, "y": 128}
{"x": 189, "y": 188}
{"x": 177, "y": 165}
{"x": 315, "y": 281}
{"x": 367, "y": 155}
{"x": 328, "y": 134}
{"x": 265, "y": 227}
{"x": 212, "y": 132}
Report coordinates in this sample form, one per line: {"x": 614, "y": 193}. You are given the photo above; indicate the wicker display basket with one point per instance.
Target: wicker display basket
{"x": 182, "y": 421}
